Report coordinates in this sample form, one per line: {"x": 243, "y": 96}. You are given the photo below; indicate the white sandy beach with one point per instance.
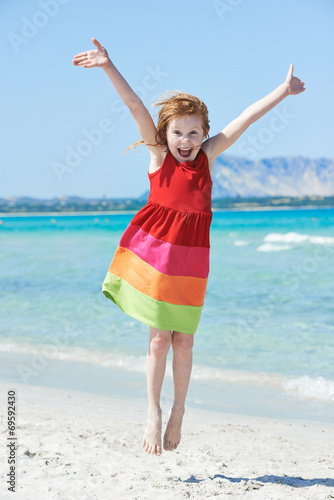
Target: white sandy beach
{"x": 76, "y": 445}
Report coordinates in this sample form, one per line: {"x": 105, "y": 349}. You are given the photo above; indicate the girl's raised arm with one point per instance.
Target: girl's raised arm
{"x": 99, "y": 58}
{"x": 215, "y": 145}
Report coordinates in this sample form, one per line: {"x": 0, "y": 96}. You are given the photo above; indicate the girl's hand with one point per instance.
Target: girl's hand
{"x": 295, "y": 85}
{"x": 92, "y": 58}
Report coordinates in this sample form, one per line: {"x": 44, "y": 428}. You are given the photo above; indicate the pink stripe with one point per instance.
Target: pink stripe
{"x": 174, "y": 260}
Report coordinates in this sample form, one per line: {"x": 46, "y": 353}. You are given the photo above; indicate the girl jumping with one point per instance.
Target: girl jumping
{"x": 160, "y": 269}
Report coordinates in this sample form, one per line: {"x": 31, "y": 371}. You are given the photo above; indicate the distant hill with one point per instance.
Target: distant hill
{"x": 236, "y": 177}
{"x": 74, "y": 204}
{"x": 281, "y": 176}
{"x": 237, "y": 183}
{"x": 66, "y": 204}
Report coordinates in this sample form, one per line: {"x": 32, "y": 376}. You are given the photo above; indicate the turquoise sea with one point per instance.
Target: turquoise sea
{"x": 265, "y": 344}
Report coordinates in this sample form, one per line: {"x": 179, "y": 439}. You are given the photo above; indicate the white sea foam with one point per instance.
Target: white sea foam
{"x": 275, "y": 242}
{"x": 298, "y": 238}
{"x": 236, "y": 376}
{"x": 321, "y": 240}
{"x": 269, "y": 247}
{"x": 80, "y": 354}
{"x": 132, "y": 363}
{"x": 287, "y": 237}
{"x": 135, "y": 363}
{"x": 240, "y": 243}
{"x": 311, "y": 388}
{"x": 304, "y": 387}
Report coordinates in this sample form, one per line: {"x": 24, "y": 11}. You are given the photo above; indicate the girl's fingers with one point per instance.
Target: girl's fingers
{"x": 97, "y": 44}
{"x": 80, "y": 58}
{"x": 289, "y": 75}
{"x": 81, "y": 54}
{"x": 84, "y": 59}
{"x": 80, "y": 63}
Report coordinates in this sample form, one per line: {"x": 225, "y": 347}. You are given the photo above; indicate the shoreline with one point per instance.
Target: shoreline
{"x": 247, "y": 393}
{"x": 129, "y": 212}
{"x": 72, "y": 444}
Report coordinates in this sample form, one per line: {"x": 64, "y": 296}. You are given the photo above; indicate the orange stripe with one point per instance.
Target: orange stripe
{"x": 182, "y": 290}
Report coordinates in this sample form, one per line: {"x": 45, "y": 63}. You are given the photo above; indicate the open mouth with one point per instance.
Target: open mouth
{"x": 185, "y": 152}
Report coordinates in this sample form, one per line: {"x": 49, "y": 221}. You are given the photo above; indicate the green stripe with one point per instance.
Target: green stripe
{"x": 152, "y": 312}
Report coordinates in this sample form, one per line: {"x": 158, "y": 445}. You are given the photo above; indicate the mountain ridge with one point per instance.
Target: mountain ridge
{"x": 238, "y": 182}
{"x": 278, "y": 176}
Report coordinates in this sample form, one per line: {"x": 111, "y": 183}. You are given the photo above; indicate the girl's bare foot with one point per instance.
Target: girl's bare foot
{"x": 172, "y": 435}
{"x": 152, "y": 435}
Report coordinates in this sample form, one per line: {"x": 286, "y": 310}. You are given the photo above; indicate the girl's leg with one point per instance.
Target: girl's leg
{"x": 182, "y": 344}
{"x": 159, "y": 344}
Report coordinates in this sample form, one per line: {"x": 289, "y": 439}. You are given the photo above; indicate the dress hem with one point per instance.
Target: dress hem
{"x": 109, "y": 296}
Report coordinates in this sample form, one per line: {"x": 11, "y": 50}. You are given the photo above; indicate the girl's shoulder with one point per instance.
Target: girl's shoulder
{"x": 207, "y": 150}
{"x": 157, "y": 161}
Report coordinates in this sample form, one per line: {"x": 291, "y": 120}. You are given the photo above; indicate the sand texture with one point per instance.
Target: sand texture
{"x": 74, "y": 445}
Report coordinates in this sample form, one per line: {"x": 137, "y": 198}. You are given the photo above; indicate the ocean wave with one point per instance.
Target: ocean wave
{"x": 268, "y": 247}
{"x": 298, "y": 238}
{"x": 240, "y": 243}
{"x": 58, "y": 351}
{"x": 304, "y": 387}
{"x": 311, "y": 388}
{"x": 132, "y": 363}
{"x": 235, "y": 376}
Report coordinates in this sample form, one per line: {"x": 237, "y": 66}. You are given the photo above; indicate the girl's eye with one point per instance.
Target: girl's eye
{"x": 193, "y": 132}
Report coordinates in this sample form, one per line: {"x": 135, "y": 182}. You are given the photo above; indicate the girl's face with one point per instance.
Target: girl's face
{"x": 184, "y": 137}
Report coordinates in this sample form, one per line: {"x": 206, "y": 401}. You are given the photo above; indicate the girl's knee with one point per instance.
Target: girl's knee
{"x": 160, "y": 345}
{"x": 182, "y": 342}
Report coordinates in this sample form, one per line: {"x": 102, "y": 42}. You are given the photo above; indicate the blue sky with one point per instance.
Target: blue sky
{"x": 230, "y": 53}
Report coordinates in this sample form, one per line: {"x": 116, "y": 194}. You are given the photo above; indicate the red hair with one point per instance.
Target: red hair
{"x": 173, "y": 105}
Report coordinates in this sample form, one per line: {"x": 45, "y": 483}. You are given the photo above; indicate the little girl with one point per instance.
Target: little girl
{"x": 160, "y": 269}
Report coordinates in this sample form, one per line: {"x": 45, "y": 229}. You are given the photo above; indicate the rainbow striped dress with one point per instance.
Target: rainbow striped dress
{"x": 160, "y": 269}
